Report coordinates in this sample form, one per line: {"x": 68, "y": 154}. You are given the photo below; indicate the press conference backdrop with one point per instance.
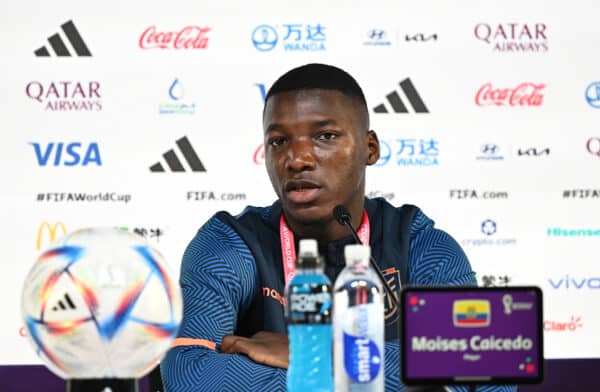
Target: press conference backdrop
{"x": 147, "y": 116}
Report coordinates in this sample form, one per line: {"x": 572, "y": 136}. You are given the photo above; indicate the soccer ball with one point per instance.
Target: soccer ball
{"x": 100, "y": 303}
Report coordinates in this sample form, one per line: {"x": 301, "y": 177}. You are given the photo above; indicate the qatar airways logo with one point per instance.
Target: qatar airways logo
{"x": 189, "y": 37}
{"x": 513, "y": 37}
{"x": 66, "y": 95}
{"x": 525, "y": 94}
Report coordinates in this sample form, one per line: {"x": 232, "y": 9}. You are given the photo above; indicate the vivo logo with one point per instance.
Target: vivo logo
{"x": 67, "y": 154}
{"x": 568, "y": 282}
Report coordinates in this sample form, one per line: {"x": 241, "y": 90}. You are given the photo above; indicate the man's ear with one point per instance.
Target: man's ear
{"x": 372, "y": 148}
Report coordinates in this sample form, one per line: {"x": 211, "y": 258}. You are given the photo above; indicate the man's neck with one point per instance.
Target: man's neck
{"x": 322, "y": 232}
{"x": 329, "y": 230}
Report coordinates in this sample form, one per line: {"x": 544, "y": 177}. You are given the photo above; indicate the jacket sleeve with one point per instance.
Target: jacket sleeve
{"x": 218, "y": 281}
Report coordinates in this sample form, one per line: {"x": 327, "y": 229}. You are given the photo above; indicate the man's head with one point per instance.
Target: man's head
{"x": 317, "y": 143}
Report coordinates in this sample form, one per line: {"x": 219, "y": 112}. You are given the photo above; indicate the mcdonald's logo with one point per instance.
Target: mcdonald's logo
{"x": 52, "y": 231}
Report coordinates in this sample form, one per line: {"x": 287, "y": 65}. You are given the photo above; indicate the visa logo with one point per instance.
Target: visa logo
{"x": 67, "y": 154}
{"x": 262, "y": 90}
{"x": 568, "y": 282}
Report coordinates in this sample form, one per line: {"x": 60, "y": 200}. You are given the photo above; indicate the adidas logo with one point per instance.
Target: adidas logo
{"x": 398, "y": 106}
{"x": 173, "y": 161}
{"x": 59, "y": 47}
{"x": 64, "y": 305}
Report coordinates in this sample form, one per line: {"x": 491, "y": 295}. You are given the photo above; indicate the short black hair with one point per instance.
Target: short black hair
{"x": 323, "y": 77}
{"x": 318, "y": 76}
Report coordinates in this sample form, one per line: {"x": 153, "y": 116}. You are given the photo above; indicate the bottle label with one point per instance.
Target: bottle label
{"x": 362, "y": 359}
{"x": 309, "y": 304}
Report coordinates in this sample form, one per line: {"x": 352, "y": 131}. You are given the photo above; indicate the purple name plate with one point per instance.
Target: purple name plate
{"x": 456, "y": 335}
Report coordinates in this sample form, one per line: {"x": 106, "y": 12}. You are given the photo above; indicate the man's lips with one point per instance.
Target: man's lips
{"x": 301, "y": 191}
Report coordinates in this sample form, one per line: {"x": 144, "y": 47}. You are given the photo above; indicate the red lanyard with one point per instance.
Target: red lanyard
{"x": 288, "y": 247}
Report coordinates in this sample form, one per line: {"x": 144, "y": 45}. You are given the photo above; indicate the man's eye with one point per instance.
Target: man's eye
{"x": 276, "y": 141}
{"x": 327, "y": 136}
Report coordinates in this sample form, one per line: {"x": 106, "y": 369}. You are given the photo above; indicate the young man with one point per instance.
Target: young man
{"x": 317, "y": 147}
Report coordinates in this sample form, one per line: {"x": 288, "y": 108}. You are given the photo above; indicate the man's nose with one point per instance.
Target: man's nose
{"x": 300, "y": 156}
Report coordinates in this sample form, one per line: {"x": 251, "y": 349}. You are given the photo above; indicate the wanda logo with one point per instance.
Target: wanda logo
{"x": 190, "y": 37}
{"x": 525, "y": 94}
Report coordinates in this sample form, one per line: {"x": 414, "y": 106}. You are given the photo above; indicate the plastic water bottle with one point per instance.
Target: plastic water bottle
{"x": 358, "y": 324}
{"x": 308, "y": 314}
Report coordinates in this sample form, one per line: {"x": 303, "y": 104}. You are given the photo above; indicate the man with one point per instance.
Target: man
{"x": 317, "y": 147}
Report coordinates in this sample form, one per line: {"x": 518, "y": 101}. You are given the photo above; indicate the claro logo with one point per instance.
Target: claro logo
{"x": 52, "y": 231}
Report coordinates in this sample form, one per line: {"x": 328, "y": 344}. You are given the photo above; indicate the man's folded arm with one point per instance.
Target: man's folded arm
{"x": 218, "y": 281}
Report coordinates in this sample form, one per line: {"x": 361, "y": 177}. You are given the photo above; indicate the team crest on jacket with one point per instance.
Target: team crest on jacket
{"x": 392, "y": 275}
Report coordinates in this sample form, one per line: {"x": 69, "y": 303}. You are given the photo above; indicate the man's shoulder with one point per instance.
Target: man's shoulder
{"x": 403, "y": 214}
{"x": 251, "y": 216}
{"x": 225, "y": 234}
{"x": 235, "y": 230}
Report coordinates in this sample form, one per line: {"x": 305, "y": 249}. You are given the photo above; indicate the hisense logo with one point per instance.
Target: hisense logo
{"x": 569, "y": 232}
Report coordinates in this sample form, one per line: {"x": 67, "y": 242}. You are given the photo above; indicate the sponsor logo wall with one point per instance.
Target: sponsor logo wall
{"x": 155, "y": 124}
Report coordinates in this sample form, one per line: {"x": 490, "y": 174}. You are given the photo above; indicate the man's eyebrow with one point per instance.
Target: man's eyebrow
{"x": 324, "y": 123}
{"x": 273, "y": 127}
{"x": 316, "y": 124}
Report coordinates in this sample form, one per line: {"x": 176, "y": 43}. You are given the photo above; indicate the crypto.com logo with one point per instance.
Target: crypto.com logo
{"x": 593, "y": 146}
{"x": 52, "y": 231}
{"x": 488, "y": 227}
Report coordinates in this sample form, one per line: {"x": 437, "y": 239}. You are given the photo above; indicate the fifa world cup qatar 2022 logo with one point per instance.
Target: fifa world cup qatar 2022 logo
{"x": 189, "y": 37}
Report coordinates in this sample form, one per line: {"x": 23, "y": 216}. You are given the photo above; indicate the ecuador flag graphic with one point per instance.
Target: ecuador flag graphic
{"x": 471, "y": 313}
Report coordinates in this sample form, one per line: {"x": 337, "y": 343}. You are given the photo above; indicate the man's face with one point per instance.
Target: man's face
{"x": 316, "y": 150}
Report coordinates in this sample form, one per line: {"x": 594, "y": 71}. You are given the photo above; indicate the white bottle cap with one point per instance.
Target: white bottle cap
{"x": 357, "y": 254}
{"x": 308, "y": 248}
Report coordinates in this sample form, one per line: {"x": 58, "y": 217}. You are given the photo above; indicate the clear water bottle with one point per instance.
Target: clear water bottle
{"x": 308, "y": 314}
{"x": 358, "y": 324}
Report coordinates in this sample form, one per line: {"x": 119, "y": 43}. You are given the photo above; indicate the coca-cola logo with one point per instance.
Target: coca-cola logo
{"x": 525, "y": 94}
{"x": 259, "y": 155}
{"x": 189, "y": 37}
{"x": 513, "y": 37}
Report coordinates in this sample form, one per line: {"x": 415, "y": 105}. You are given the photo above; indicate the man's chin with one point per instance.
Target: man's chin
{"x": 307, "y": 214}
